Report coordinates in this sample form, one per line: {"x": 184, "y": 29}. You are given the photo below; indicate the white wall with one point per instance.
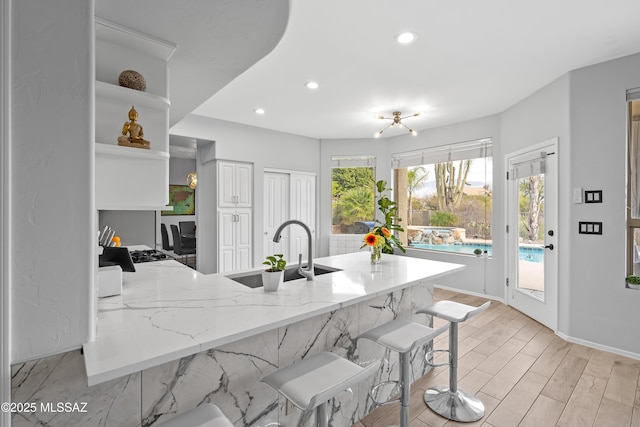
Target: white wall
{"x": 133, "y": 227}
{"x": 537, "y": 118}
{"x": 5, "y": 239}
{"x": 52, "y": 206}
{"x": 601, "y": 309}
{"x": 178, "y": 170}
{"x": 262, "y": 147}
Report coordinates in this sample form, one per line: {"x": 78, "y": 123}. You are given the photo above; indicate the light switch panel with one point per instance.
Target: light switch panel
{"x": 590, "y": 227}
{"x": 593, "y": 196}
{"x": 577, "y": 195}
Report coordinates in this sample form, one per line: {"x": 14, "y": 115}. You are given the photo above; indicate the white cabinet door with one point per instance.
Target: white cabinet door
{"x": 243, "y": 183}
{"x": 276, "y": 211}
{"x": 303, "y": 208}
{"x": 234, "y": 240}
{"x": 226, "y": 184}
{"x": 234, "y": 184}
{"x": 243, "y": 239}
{"x": 226, "y": 240}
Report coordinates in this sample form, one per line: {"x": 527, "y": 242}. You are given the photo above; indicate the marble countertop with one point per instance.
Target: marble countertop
{"x": 167, "y": 310}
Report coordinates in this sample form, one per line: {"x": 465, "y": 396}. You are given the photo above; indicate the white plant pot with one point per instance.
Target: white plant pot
{"x": 271, "y": 280}
{"x": 633, "y": 286}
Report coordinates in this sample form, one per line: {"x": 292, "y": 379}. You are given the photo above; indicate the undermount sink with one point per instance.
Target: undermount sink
{"x": 253, "y": 279}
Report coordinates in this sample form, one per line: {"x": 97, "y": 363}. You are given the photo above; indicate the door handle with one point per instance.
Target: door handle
{"x": 549, "y": 246}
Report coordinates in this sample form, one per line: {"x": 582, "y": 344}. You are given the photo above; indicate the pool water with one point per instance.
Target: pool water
{"x": 526, "y": 254}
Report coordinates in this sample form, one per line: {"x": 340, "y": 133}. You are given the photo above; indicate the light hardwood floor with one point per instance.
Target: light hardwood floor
{"x": 526, "y": 376}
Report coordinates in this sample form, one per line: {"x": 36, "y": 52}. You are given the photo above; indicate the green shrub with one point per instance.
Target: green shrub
{"x": 444, "y": 219}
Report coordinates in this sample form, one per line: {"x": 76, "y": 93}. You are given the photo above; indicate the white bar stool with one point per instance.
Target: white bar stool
{"x": 401, "y": 336}
{"x": 310, "y": 383}
{"x": 451, "y": 402}
{"x": 205, "y": 415}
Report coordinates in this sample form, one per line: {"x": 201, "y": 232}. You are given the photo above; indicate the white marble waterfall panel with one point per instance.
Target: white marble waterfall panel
{"x": 336, "y": 332}
{"x": 421, "y": 297}
{"x": 373, "y": 313}
{"x": 228, "y": 376}
{"x": 61, "y": 379}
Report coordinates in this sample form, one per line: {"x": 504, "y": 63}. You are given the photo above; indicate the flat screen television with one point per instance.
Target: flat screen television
{"x": 117, "y": 256}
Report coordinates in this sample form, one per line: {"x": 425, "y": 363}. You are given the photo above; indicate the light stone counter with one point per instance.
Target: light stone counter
{"x": 176, "y": 338}
{"x": 168, "y": 311}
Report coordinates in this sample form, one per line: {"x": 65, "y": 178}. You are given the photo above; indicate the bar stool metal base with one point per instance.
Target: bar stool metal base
{"x": 458, "y": 406}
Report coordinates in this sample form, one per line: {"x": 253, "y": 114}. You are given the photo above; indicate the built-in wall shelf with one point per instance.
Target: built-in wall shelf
{"x": 131, "y": 96}
{"x": 135, "y": 208}
{"x": 130, "y": 152}
{"x": 122, "y": 36}
{"x": 130, "y": 178}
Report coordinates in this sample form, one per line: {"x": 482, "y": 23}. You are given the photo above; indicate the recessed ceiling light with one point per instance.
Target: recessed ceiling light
{"x": 259, "y": 111}
{"x": 312, "y": 85}
{"x": 406, "y": 38}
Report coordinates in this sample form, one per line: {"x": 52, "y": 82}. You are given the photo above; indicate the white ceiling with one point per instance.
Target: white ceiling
{"x": 216, "y": 39}
{"x": 471, "y": 59}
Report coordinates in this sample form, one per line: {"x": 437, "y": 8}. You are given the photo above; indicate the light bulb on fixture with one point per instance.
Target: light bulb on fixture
{"x": 192, "y": 180}
{"x": 397, "y": 120}
{"x": 406, "y": 37}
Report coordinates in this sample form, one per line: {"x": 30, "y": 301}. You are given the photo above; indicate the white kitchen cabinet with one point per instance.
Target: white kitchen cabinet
{"x": 234, "y": 239}
{"x": 235, "y": 181}
{"x": 128, "y": 178}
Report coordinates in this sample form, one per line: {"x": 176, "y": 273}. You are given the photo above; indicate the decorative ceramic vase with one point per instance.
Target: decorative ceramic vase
{"x": 271, "y": 280}
{"x": 376, "y": 254}
{"x": 633, "y": 285}
{"x": 133, "y": 80}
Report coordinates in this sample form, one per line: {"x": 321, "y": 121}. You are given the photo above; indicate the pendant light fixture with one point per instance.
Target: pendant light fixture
{"x": 396, "y": 120}
{"x": 192, "y": 180}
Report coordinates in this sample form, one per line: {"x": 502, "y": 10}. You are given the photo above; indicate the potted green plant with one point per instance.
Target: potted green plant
{"x": 477, "y": 251}
{"x": 633, "y": 281}
{"x": 273, "y": 276}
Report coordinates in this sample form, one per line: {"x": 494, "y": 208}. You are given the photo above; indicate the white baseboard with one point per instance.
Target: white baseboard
{"x": 475, "y": 294}
{"x": 598, "y": 346}
{"x": 558, "y": 333}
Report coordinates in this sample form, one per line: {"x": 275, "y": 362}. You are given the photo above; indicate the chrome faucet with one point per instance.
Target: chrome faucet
{"x": 308, "y": 273}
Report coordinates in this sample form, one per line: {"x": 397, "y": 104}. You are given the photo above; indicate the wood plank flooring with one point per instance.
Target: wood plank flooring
{"x": 526, "y": 376}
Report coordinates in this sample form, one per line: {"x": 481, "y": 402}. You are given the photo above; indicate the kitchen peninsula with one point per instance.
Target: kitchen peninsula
{"x": 183, "y": 338}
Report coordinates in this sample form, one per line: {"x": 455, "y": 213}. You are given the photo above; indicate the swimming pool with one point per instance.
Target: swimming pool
{"x": 526, "y": 253}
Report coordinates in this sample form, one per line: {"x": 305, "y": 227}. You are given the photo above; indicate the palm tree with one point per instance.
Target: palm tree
{"x": 357, "y": 204}
{"x": 416, "y": 178}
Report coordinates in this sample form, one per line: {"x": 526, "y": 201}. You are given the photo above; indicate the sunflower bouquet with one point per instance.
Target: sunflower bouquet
{"x": 381, "y": 237}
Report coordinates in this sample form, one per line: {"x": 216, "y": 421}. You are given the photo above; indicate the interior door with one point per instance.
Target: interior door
{"x": 303, "y": 208}
{"x": 532, "y": 278}
{"x": 276, "y": 211}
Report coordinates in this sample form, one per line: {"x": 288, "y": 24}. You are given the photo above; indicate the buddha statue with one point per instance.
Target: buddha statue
{"x": 132, "y": 133}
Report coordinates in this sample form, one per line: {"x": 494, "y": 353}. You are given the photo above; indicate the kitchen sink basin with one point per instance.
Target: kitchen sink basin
{"x": 253, "y": 279}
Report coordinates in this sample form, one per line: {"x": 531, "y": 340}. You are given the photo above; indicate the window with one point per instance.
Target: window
{"x": 352, "y": 194}
{"x": 633, "y": 184}
{"x": 445, "y": 197}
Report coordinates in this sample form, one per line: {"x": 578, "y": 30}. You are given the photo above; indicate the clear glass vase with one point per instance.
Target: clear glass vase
{"x": 376, "y": 254}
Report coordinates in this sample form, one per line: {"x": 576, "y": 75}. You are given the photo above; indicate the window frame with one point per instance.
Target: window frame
{"x": 351, "y": 161}
{"x": 632, "y": 223}
{"x": 469, "y": 150}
